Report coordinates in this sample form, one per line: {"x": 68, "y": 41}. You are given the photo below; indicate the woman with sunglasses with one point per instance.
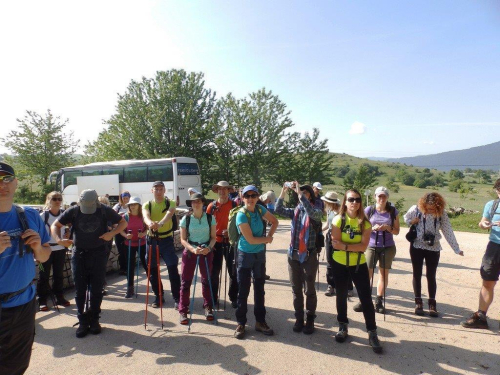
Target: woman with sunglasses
{"x": 251, "y": 259}
{"x": 430, "y": 218}
{"x": 121, "y": 208}
{"x": 350, "y": 238}
{"x": 51, "y": 212}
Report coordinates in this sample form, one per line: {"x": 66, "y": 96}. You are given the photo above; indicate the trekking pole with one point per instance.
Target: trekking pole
{"x": 128, "y": 259}
{"x": 160, "y": 290}
{"x": 220, "y": 281}
{"x": 226, "y": 251}
{"x": 317, "y": 287}
{"x": 137, "y": 267}
{"x": 149, "y": 274}
{"x": 211, "y": 291}
{"x": 53, "y": 298}
{"x": 385, "y": 281}
{"x": 191, "y": 306}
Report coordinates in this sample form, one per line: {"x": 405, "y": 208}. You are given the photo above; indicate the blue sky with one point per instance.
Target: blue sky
{"x": 378, "y": 78}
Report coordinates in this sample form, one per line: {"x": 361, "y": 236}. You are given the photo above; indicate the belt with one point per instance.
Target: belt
{"x": 7, "y": 296}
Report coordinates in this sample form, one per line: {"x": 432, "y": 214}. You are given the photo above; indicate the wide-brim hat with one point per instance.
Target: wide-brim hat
{"x": 331, "y": 197}
{"x": 195, "y": 197}
{"x": 134, "y": 200}
{"x": 88, "y": 201}
{"x": 219, "y": 184}
{"x": 309, "y": 189}
{"x": 268, "y": 195}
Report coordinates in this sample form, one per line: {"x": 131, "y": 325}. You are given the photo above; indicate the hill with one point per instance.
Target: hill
{"x": 481, "y": 157}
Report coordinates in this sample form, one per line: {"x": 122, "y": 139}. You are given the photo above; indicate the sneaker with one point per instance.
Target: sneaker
{"x": 240, "y": 332}
{"x": 330, "y": 291}
{"x": 42, "y": 304}
{"x": 309, "y": 327}
{"x": 44, "y": 307}
{"x": 358, "y": 307}
{"x": 183, "y": 319}
{"x": 156, "y": 303}
{"x": 432, "y": 308}
{"x": 476, "y": 320}
{"x": 209, "y": 314}
{"x": 264, "y": 328}
{"x": 419, "y": 307}
{"x": 299, "y": 325}
{"x": 61, "y": 301}
{"x": 342, "y": 333}
{"x": 379, "y": 305}
{"x": 374, "y": 341}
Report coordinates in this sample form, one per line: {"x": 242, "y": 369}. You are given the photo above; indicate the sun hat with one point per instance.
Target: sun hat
{"x": 268, "y": 195}
{"x": 195, "y": 197}
{"x": 331, "y": 197}
{"x": 134, "y": 200}
{"x": 219, "y": 184}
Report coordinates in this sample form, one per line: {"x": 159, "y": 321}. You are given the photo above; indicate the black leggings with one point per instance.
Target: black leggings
{"x": 431, "y": 263}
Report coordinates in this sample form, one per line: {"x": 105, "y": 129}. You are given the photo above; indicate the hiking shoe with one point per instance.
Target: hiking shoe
{"x": 44, "y": 307}
{"x": 358, "y": 307}
{"x": 209, "y": 314}
{"x": 83, "y": 326}
{"x": 330, "y": 291}
{"x": 130, "y": 292}
{"x": 419, "y": 307}
{"x": 240, "y": 332}
{"x": 299, "y": 325}
{"x": 309, "y": 327}
{"x": 183, "y": 319}
{"x": 342, "y": 333}
{"x": 94, "y": 326}
{"x": 379, "y": 305}
{"x": 476, "y": 320}
{"x": 374, "y": 341}
{"x": 156, "y": 303}
{"x": 264, "y": 328}
{"x": 432, "y": 308}
{"x": 61, "y": 301}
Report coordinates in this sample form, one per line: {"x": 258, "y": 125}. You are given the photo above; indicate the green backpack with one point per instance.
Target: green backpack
{"x": 232, "y": 229}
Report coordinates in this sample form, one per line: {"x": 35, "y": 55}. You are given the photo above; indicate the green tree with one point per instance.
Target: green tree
{"x": 41, "y": 144}
{"x": 483, "y": 176}
{"x": 456, "y": 174}
{"x": 408, "y": 179}
{"x": 359, "y": 179}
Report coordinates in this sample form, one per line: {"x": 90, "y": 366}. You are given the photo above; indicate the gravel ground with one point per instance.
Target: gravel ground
{"x": 412, "y": 344}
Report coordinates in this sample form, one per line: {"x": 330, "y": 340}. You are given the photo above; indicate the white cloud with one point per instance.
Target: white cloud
{"x": 357, "y": 128}
{"x": 431, "y": 142}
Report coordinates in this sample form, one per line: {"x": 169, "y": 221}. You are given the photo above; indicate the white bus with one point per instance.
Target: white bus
{"x": 135, "y": 176}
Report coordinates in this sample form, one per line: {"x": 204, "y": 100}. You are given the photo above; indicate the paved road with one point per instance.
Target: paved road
{"x": 413, "y": 345}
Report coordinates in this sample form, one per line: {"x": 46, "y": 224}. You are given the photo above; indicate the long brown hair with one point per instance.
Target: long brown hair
{"x": 49, "y": 197}
{"x": 361, "y": 210}
{"x": 432, "y": 199}
{"x": 129, "y": 211}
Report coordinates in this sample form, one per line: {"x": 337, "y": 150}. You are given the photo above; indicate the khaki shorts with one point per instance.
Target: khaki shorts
{"x": 374, "y": 255}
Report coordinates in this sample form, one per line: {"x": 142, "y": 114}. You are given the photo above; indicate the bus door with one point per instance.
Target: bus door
{"x": 188, "y": 175}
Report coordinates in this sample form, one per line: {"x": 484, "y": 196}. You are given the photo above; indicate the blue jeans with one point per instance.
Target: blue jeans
{"x": 251, "y": 264}
{"x": 167, "y": 253}
{"x": 89, "y": 271}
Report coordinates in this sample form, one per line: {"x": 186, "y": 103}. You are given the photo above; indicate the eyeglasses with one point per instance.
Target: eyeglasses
{"x": 7, "y": 179}
{"x": 351, "y": 200}
{"x": 251, "y": 196}
{"x": 56, "y": 199}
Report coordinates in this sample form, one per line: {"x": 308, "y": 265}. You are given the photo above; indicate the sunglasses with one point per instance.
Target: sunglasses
{"x": 351, "y": 200}
{"x": 7, "y": 179}
{"x": 56, "y": 199}
{"x": 252, "y": 196}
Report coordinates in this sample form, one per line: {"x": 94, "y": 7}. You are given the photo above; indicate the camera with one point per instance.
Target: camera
{"x": 290, "y": 185}
{"x": 429, "y": 238}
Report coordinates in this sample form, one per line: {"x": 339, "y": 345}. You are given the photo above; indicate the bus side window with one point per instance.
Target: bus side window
{"x": 160, "y": 173}
{"x": 70, "y": 177}
{"x": 114, "y": 170}
{"x": 135, "y": 174}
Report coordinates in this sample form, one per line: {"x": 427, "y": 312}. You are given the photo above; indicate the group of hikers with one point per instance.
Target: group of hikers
{"x": 235, "y": 227}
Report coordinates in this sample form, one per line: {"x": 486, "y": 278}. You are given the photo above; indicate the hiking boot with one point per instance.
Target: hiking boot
{"x": 130, "y": 292}
{"x": 419, "y": 307}
{"x": 299, "y": 325}
{"x": 330, "y": 291}
{"x": 183, "y": 319}
{"x": 374, "y": 341}
{"x": 264, "y": 328}
{"x": 83, "y": 326}
{"x": 432, "y": 308}
{"x": 94, "y": 327}
{"x": 379, "y": 305}
{"x": 209, "y": 314}
{"x": 156, "y": 303}
{"x": 358, "y": 307}
{"x": 61, "y": 301}
{"x": 309, "y": 327}
{"x": 240, "y": 332}
{"x": 476, "y": 320}
{"x": 342, "y": 333}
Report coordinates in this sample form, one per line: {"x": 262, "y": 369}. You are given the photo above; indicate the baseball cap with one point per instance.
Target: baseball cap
{"x": 382, "y": 190}
{"x": 88, "y": 201}
{"x": 318, "y": 185}
{"x": 248, "y": 188}
{"x": 6, "y": 168}
{"x": 158, "y": 183}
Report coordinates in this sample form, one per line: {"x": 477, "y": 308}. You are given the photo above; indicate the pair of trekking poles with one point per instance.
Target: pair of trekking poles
{"x": 136, "y": 263}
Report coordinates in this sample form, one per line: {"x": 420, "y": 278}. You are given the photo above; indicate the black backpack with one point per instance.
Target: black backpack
{"x": 21, "y": 215}
{"x": 188, "y": 221}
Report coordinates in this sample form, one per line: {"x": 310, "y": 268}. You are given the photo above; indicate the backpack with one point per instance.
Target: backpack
{"x": 46, "y": 216}
{"x": 232, "y": 230}
{"x": 342, "y": 226}
{"x": 494, "y": 207}
{"x": 188, "y": 221}
{"x": 214, "y": 206}
{"x": 21, "y": 215}
{"x": 175, "y": 221}
{"x": 320, "y": 237}
{"x": 392, "y": 212}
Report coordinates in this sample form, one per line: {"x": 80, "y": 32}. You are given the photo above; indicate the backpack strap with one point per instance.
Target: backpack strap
{"x": 188, "y": 222}
{"x": 494, "y": 207}
{"x": 21, "y": 215}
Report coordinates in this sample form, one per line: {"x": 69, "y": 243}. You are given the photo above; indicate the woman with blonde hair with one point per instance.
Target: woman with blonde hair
{"x": 430, "y": 218}
{"x": 50, "y": 213}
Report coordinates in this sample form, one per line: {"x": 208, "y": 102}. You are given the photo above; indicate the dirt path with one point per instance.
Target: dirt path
{"x": 413, "y": 345}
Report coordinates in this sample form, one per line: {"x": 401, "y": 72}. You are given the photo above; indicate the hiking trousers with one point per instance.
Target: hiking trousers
{"x": 302, "y": 278}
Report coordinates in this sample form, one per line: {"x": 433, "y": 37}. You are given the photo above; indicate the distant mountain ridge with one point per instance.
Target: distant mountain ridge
{"x": 480, "y": 157}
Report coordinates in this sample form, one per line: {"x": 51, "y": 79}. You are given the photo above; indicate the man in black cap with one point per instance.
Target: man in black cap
{"x": 23, "y": 238}
{"x": 89, "y": 221}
